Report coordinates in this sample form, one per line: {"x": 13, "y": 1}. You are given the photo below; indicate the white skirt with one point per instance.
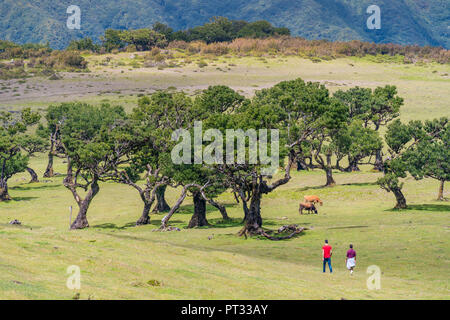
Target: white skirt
{"x": 351, "y": 263}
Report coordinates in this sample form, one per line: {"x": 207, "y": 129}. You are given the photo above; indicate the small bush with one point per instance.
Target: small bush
{"x": 62, "y": 60}
{"x": 155, "y": 51}
{"x": 154, "y": 283}
{"x": 202, "y": 64}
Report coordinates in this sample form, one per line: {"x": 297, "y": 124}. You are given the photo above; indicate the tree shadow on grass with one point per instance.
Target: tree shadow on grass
{"x": 311, "y": 188}
{"x": 356, "y": 184}
{"x": 17, "y": 199}
{"x": 424, "y": 207}
{"x": 157, "y": 222}
{"x": 221, "y": 223}
{"x": 33, "y": 186}
{"x": 360, "y": 184}
{"x": 113, "y": 226}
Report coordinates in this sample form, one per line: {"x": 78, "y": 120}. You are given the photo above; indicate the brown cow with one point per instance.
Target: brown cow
{"x": 313, "y": 199}
{"x": 308, "y": 207}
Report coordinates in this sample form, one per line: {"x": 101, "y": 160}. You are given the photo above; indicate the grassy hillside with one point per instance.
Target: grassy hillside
{"x": 405, "y": 22}
{"x": 120, "y": 261}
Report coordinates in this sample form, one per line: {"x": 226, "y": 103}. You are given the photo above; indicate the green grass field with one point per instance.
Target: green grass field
{"x": 120, "y": 261}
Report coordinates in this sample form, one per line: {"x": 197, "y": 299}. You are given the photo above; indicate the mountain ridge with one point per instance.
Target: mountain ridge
{"x": 402, "y": 21}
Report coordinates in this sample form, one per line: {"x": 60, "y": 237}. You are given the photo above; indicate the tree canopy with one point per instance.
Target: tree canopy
{"x": 239, "y": 144}
{"x": 95, "y": 146}
{"x": 410, "y": 146}
{"x": 13, "y": 140}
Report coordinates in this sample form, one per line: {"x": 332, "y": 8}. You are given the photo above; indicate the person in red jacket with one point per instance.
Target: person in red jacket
{"x": 327, "y": 252}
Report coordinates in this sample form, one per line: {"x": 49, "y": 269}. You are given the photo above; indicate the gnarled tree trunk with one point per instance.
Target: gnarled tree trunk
{"x": 245, "y": 208}
{"x": 441, "y": 191}
{"x": 49, "y": 170}
{"x": 4, "y": 196}
{"x": 218, "y": 206}
{"x": 330, "y": 181}
{"x": 352, "y": 166}
{"x": 329, "y": 173}
{"x": 148, "y": 202}
{"x": 34, "y": 176}
{"x": 338, "y": 165}
{"x": 83, "y": 204}
{"x": 401, "y": 201}
{"x": 301, "y": 165}
{"x": 145, "y": 218}
{"x": 81, "y": 219}
{"x": 161, "y": 204}
{"x": 222, "y": 209}
{"x": 199, "y": 217}
{"x": 378, "y": 161}
{"x": 254, "y": 192}
{"x": 165, "y": 220}
{"x": 253, "y": 219}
